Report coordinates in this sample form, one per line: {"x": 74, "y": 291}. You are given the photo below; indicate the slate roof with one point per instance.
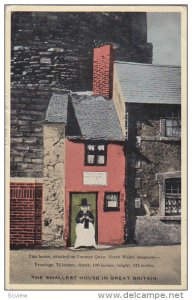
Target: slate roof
{"x": 146, "y": 83}
{"x": 85, "y": 116}
{"x": 97, "y": 118}
{"x": 57, "y": 109}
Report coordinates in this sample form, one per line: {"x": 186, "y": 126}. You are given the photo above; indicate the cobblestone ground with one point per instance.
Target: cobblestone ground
{"x": 158, "y": 265}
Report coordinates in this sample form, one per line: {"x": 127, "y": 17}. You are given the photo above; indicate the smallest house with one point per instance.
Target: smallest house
{"x": 84, "y": 158}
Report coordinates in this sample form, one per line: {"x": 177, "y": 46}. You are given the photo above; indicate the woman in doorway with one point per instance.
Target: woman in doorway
{"x": 85, "y": 232}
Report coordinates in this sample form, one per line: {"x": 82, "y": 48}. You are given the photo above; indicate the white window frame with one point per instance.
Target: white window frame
{"x": 161, "y": 177}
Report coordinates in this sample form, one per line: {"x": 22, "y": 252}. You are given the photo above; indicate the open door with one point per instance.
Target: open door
{"x": 75, "y": 206}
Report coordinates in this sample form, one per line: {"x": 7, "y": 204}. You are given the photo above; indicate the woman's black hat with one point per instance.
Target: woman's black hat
{"x": 84, "y": 202}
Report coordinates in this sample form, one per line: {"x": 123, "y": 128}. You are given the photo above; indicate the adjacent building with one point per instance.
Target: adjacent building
{"x": 152, "y": 98}
{"x": 148, "y": 102}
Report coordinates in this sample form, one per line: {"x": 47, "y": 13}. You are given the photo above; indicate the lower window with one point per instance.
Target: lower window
{"x": 172, "y": 196}
{"x": 111, "y": 201}
{"x": 169, "y": 195}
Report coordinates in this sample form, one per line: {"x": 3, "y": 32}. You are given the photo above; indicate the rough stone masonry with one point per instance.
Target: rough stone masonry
{"x": 53, "y": 209}
{"x": 55, "y": 51}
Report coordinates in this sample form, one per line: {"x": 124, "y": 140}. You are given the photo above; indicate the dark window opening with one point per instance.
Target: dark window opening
{"x": 95, "y": 154}
{"x": 171, "y": 124}
{"x": 173, "y": 196}
{"x": 173, "y": 127}
{"x": 111, "y": 201}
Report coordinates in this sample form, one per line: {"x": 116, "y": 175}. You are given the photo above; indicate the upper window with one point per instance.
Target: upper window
{"x": 171, "y": 125}
{"x": 95, "y": 154}
{"x": 172, "y": 196}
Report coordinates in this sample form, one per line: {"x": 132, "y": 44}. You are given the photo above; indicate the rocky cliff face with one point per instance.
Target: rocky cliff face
{"x": 55, "y": 51}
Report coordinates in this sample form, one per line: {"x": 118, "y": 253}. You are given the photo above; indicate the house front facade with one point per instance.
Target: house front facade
{"x": 94, "y": 168}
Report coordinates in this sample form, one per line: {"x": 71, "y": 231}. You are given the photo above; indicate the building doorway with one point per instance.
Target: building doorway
{"x": 75, "y": 206}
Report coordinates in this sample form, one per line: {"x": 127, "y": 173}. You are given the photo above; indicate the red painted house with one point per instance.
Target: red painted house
{"x": 94, "y": 166}
{"x": 95, "y": 169}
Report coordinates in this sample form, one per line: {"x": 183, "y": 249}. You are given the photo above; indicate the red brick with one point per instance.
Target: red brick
{"x": 103, "y": 71}
{"x": 25, "y": 214}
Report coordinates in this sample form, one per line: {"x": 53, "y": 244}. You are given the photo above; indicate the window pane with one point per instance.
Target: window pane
{"x": 172, "y": 206}
{"x": 173, "y": 127}
{"x": 90, "y": 159}
{"x": 173, "y": 196}
{"x": 101, "y": 159}
{"x": 113, "y": 197}
{"x": 112, "y": 203}
{"x": 138, "y": 141}
{"x": 101, "y": 147}
{"x": 177, "y": 131}
{"x": 169, "y": 131}
{"x": 169, "y": 122}
{"x": 95, "y": 154}
{"x": 91, "y": 147}
{"x": 138, "y": 164}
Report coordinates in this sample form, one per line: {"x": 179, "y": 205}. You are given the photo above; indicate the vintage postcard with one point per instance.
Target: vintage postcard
{"x": 96, "y": 107}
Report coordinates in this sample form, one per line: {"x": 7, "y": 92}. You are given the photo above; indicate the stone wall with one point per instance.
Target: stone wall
{"x": 56, "y": 49}
{"x": 148, "y": 154}
{"x": 161, "y": 157}
{"x": 154, "y": 152}
{"x": 54, "y": 185}
{"x": 28, "y": 107}
{"x": 152, "y": 231}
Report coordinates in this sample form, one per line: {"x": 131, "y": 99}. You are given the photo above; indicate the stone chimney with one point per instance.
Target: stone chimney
{"x": 103, "y": 71}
